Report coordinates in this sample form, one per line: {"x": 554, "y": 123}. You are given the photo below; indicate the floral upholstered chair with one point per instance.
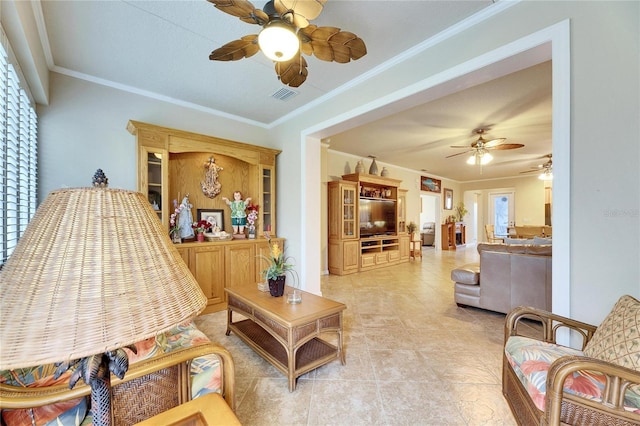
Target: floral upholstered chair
{"x": 598, "y": 383}
{"x": 154, "y": 383}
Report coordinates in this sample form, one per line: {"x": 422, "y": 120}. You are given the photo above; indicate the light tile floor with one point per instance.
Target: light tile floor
{"x": 413, "y": 356}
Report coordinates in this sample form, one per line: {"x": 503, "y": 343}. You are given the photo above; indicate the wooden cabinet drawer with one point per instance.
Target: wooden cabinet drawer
{"x": 393, "y": 255}
{"x": 367, "y": 260}
{"x": 381, "y": 258}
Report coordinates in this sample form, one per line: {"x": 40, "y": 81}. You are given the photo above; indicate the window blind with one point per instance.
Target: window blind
{"x": 18, "y": 158}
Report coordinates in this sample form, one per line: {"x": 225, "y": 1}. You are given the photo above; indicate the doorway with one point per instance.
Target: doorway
{"x": 501, "y": 212}
{"x": 429, "y": 212}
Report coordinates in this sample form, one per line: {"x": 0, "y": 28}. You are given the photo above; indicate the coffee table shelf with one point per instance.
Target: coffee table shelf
{"x": 310, "y": 355}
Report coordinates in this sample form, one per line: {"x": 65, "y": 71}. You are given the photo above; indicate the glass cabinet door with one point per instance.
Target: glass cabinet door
{"x": 349, "y": 211}
{"x": 402, "y": 210}
{"x": 266, "y": 210}
{"x": 152, "y": 180}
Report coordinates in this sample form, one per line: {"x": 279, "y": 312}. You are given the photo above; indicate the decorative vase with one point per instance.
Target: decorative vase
{"x": 175, "y": 237}
{"x": 360, "y": 167}
{"x": 200, "y": 237}
{"x": 276, "y": 286}
{"x": 384, "y": 172}
{"x": 252, "y": 234}
{"x": 373, "y": 170}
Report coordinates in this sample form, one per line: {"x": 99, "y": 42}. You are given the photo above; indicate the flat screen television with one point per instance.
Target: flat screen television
{"x": 377, "y": 217}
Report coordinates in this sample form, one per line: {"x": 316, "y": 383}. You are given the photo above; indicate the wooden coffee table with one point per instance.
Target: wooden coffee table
{"x": 286, "y": 335}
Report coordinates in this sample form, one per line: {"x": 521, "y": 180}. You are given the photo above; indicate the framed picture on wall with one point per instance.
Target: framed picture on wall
{"x": 214, "y": 216}
{"x": 430, "y": 184}
{"x": 448, "y": 199}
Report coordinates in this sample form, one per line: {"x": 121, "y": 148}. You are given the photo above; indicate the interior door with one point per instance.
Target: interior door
{"x": 501, "y": 212}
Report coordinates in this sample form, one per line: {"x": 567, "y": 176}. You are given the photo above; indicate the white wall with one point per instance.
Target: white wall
{"x": 604, "y": 183}
{"x": 529, "y": 198}
{"x": 84, "y": 128}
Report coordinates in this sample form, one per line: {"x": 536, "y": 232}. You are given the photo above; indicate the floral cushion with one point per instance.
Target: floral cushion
{"x": 531, "y": 359}
{"x": 205, "y": 378}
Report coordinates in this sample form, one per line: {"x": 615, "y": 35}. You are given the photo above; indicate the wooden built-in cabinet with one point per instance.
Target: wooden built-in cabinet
{"x": 453, "y": 235}
{"x": 171, "y": 165}
{"x": 226, "y": 264}
{"x": 352, "y": 200}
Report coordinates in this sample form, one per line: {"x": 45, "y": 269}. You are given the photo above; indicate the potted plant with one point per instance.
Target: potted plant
{"x": 411, "y": 227}
{"x": 200, "y": 227}
{"x": 461, "y": 211}
{"x": 278, "y": 267}
{"x": 252, "y": 216}
{"x": 174, "y": 228}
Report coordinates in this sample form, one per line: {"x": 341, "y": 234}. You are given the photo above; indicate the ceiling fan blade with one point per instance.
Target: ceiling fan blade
{"x": 303, "y": 10}
{"x": 292, "y": 72}
{"x": 493, "y": 142}
{"x": 461, "y": 146}
{"x": 459, "y": 153}
{"x": 331, "y": 44}
{"x": 506, "y": 146}
{"x": 246, "y": 47}
{"x": 243, "y": 9}
{"x": 532, "y": 171}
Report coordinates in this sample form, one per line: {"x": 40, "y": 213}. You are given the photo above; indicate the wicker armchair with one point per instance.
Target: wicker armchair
{"x": 149, "y": 387}
{"x": 562, "y": 407}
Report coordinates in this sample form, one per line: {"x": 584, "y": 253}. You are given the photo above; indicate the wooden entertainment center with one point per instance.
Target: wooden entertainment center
{"x": 367, "y": 223}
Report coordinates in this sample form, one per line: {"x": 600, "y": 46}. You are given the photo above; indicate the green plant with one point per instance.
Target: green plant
{"x": 278, "y": 264}
{"x": 411, "y": 227}
{"x": 461, "y": 211}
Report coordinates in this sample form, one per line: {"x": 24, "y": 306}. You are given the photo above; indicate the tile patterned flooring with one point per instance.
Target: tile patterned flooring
{"x": 413, "y": 356}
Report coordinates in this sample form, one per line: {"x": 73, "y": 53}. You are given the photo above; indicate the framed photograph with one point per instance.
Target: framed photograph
{"x": 430, "y": 184}
{"x": 214, "y": 216}
{"x": 448, "y": 199}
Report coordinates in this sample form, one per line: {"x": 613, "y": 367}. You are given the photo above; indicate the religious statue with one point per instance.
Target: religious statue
{"x": 210, "y": 186}
{"x": 185, "y": 219}
{"x": 238, "y": 213}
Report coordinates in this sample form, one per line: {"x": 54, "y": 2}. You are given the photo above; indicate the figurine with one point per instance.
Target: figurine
{"x": 210, "y": 186}
{"x": 238, "y": 213}
{"x": 185, "y": 219}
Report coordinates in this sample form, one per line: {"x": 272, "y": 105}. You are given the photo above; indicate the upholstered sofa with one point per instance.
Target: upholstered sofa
{"x": 507, "y": 276}
{"x": 428, "y": 233}
{"x": 592, "y": 381}
{"x": 168, "y": 370}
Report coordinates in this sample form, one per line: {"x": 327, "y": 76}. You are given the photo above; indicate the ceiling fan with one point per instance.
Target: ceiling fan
{"x": 285, "y": 33}
{"x": 545, "y": 170}
{"x": 481, "y": 147}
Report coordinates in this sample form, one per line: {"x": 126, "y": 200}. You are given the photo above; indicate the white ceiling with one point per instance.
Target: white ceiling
{"x": 161, "y": 49}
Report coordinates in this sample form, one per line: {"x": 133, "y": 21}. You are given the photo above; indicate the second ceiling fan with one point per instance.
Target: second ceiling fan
{"x": 285, "y": 33}
{"x": 481, "y": 147}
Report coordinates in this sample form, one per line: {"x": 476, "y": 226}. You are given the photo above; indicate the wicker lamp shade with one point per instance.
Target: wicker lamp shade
{"x": 94, "y": 271}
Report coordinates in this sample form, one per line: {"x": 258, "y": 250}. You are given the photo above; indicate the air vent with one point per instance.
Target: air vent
{"x": 284, "y": 94}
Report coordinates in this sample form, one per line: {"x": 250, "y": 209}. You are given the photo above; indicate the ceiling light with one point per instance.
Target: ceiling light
{"x": 480, "y": 158}
{"x": 546, "y": 175}
{"x": 278, "y": 41}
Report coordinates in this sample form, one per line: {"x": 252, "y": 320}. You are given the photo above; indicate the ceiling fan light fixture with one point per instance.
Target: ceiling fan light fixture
{"x": 278, "y": 41}
{"x": 546, "y": 175}
{"x": 479, "y": 158}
